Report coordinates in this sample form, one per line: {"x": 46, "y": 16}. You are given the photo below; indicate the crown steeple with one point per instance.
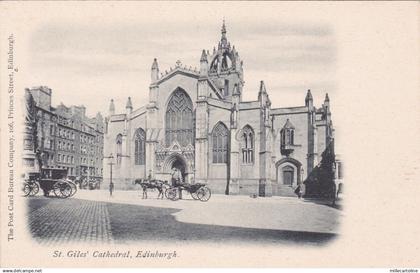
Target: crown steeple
{"x": 225, "y": 66}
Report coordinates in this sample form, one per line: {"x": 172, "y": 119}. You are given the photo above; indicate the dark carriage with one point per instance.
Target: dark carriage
{"x": 54, "y": 182}
{"x": 31, "y": 184}
{"x": 198, "y": 191}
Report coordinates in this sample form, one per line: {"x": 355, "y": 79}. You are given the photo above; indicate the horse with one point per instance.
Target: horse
{"x": 151, "y": 184}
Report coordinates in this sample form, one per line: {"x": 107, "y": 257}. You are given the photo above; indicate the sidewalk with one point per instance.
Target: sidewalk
{"x": 278, "y": 213}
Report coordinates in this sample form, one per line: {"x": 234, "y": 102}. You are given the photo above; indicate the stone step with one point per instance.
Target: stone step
{"x": 286, "y": 191}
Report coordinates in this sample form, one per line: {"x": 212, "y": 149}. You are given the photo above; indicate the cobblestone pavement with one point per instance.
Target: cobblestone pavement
{"x": 55, "y": 221}
{"x": 94, "y": 217}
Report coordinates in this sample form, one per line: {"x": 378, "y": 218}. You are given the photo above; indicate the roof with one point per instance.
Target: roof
{"x": 288, "y": 125}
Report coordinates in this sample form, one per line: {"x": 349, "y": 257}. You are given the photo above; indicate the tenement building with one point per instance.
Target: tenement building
{"x": 197, "y": 121}
{"x": 67, "y": 138}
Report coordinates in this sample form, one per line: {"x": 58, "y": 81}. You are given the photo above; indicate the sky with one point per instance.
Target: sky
{"x": 92, "y": 60}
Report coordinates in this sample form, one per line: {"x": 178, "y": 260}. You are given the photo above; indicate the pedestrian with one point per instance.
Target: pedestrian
{"x": 174, "y": 177}
{"x": 111, "y": 188}
{"x": 298, "y": 191}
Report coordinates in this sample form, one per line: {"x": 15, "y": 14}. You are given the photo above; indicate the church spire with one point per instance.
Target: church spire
{"x": 223, "y": 40}
{"x": 223, "y": 28}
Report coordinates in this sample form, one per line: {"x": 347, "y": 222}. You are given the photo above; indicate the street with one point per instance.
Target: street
{"x": 95, "y": 218}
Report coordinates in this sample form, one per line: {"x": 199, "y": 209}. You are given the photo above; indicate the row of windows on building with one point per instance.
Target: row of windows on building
{"x": 90, "y": 149}
{"x": 69, "y": 134}
{"x": 72, "y": 170}
{"x": 88, "y": 139}
{"x": 65, "y": 146}
{"x": 69, "y": 159}
{"x": 84, "y": 160}
{"x": 70, "y": 147}
{"x": 63, "y": 133}
{"x": 220, "y": 144}
{"x": 73, "y": 124}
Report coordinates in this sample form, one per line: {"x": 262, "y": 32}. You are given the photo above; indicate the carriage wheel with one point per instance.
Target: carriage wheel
{"x": 194, "y": 195}
{"x": 167, "y": 193}
{"x": 56, "y": 190}
{"x": 172, "y": 194}
{"x": 66, "y": 190}
{"x": 73, "y": 188}
{"x": 34, "y": 189}
{"x": 203, "y": 194}
{"x": 26, "y": 189}
{"x": 62, "y": 189}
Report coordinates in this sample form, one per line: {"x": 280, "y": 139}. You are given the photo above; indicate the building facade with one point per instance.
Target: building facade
{"x": 67, "y": 138}
{"x": 196, "y": 121}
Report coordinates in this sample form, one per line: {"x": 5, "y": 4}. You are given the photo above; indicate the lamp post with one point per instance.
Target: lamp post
{"x": 111, "y": 157}
{"x": 301, "y": 175}
{"x": 110, "y": 163}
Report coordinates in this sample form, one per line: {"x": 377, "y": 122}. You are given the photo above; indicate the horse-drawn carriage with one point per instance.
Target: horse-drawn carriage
{"x": 198, "y": 191}
{"x": 31, "y": 186}
{"x": 53, "y": 182}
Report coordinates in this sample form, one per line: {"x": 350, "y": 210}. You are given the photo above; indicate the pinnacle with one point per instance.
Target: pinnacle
{"x": 223, "y": 27}
{"x": 262, "y": 87}
{"x": 203, "y": 56}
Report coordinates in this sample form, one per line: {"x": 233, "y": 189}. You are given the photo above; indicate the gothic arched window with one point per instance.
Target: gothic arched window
{"x": 247, "y": 145}
{"x": 220, "y": 137}
{"x": 118, "y": 148}
{"x": 179, "y": 119}
{"x": 287, "y": 134}
{"x": 139, "y": 146}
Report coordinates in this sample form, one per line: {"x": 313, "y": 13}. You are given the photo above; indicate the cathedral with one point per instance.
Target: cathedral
{"x": 197, "y": 122}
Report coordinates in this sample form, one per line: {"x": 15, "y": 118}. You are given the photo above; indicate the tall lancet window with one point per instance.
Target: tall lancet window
{"x": 179, "y": 122}
{"x": 247, "y": 145}
{"x": 220, "y": 137}
{"x": 139, "y": 146}
{"x": 118, "y": 149}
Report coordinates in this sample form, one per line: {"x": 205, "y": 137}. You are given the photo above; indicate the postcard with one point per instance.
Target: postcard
{"x": 209, "y": 134}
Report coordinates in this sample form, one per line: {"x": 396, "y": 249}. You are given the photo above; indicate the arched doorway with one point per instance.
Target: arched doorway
{"x": 180, "y": 165}
{"x": 288, "y": 175}
{"x": 288, "y": 172}
{"x": 176, "y": 160}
